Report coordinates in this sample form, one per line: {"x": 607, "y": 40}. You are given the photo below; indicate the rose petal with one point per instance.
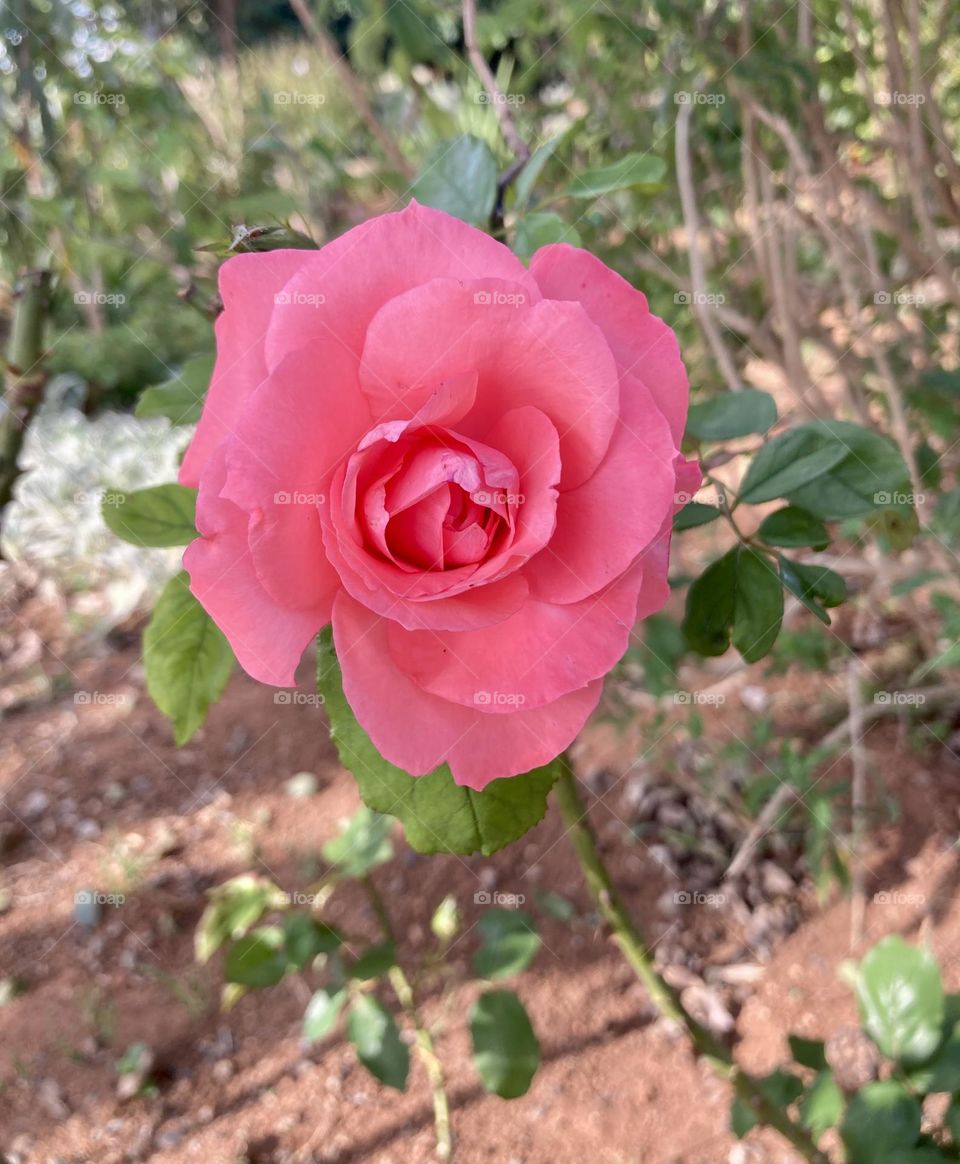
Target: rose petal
{"x": 545, "y": 354}
{"x": 477, "y": 746}
{"x": 248, "y": 284}
{"x": 267, "y": 639}
{"x": 543, "y": 652}
{"x": 642, "y": 344}
{"x": 361, "y": 270}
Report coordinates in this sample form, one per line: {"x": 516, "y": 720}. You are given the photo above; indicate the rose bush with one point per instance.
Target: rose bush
{"x": 469, "y": 467}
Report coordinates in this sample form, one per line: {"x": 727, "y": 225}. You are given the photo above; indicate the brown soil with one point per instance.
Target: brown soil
{"x": 128, "y": 813}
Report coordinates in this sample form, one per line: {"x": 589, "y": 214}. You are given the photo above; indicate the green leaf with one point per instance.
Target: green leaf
{"x": 322, "y": 1013}
{"x": 506, "y": 1053}
{"x": 438, "y": 816}
{"x": 815, "y": 586}
{"x": 694, "y": 513}
{"x": 305, "y": 938}
{"x": 509, "y": 943}
{"x": 880, "y": 1118}
{"x": 808, "y": 1052}
{"x": 179, "y": 399}
{"x": 788, "y": 462}
{"x": 374, "y": 1034}
{"x": 643, "y": 170}
{"x": 742, "y": 1118}
{"x": 758, "y": 607}
{"x": 792, "y": 527}
{"x": 822, "y": 1106}
{"x": 710, "y": 605}
{"x": 732, "y": 414}
{"x": 362, "y": 845}
{"x": 871, "y": 476}
{"x": 373, "y": 962}
{"x": 460, "y": 177}
{"x": 737, "y": 597}
{"x": 527, "y": 178}
{"x": 160, "y": 516}
{"x": 186, "y": 657}
{"x": 539, "y": 229}
{"x": 258, "y": 959}
{"x": 901, "y": 1000}
{"x": 233, "y": 908}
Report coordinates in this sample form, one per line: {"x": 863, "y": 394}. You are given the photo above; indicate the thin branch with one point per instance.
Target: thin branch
{"x": 511, "y": 135}
{"x": 691, "y": 221}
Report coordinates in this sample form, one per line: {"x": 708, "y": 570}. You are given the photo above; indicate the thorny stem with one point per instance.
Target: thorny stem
{"x": 428, "y": 1055}
{"x": 664, "y": 996}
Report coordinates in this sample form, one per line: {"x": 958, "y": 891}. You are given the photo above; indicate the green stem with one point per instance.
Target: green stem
{"x": 25, "y": 378}
{"x": 428, "y": 1055}
{"x": 664, "y": 996}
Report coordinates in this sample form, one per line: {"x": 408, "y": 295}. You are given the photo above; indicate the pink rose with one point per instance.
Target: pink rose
{"x": 469, "y": 467}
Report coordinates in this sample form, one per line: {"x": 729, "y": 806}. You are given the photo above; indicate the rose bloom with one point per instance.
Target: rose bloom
{"x": 469, "y": 467}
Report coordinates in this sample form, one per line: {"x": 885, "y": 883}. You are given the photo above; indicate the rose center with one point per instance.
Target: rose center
{"x": 432, "y": 500}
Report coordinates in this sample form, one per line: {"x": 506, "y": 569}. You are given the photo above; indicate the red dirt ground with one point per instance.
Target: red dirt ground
{"x": 128, "y": 812}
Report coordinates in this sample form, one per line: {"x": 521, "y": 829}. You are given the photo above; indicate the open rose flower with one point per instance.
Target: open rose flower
{"x": 469, "y": 467}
